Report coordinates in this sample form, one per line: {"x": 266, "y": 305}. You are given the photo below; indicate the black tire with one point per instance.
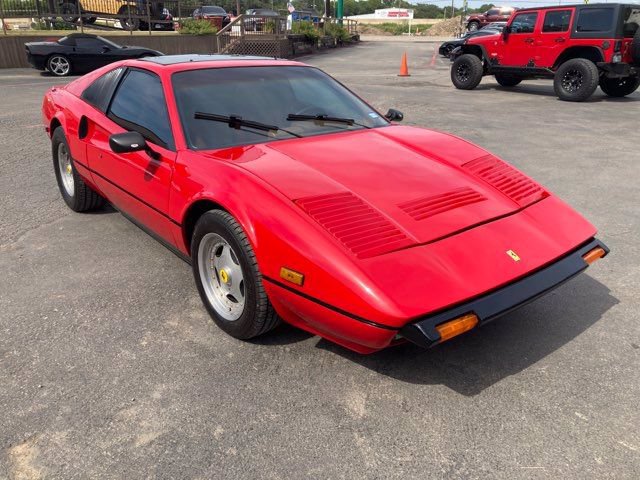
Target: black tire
{"x": 619, "y": 87}
{"x": 576, "y": 80}
{"x": 128, "y": 24}
{"x": 473, "y": 26}
{"x": 466, "y": 72}
{"x": 507, "y": 80}
{"x": 90, "y": 20}
{"x": 258, "y": 316}
{"x": 56, "y": 65}
{"x": 82, "y": 198}
{"x": 69, "y": 12}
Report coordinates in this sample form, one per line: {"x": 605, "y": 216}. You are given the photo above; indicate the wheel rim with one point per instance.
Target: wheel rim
{"x": 221, "y": 276}
{"x": 66, "y": 169}
{"x": 572, "y": 80}
{"x": 59, "y": 65}
{"x": 463, "y": 72}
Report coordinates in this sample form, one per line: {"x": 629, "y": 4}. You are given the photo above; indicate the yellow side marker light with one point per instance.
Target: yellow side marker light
{"x": 593, "y": 255}
{"x": 292, "y": 276}
{"x": 456, "y": 326}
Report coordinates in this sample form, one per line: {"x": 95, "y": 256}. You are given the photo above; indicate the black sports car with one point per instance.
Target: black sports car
{"x": 80, "y": 53}
{"x": 447, "y": 47}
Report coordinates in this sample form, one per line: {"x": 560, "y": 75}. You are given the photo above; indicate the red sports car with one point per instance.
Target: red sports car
{"x": 294, "y": 199}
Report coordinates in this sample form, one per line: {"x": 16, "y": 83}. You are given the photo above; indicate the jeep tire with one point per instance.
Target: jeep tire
{"x": 619, "y": 87}
{"x": 507, "y": 80}
{"x": 466, "y": 72}
{"x": 576, "y": 80}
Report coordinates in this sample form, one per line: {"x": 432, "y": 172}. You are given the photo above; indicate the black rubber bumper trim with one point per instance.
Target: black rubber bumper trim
{"x": 327, "y": 305}
{"x": 503, "y": 300}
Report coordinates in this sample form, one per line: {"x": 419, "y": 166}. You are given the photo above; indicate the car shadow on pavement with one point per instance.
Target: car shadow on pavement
{"x": 477, "y": 360}
{"x": 547, "y": 91}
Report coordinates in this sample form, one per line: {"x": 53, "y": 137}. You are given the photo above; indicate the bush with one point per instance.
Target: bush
{"x": 192, "y": 26}
{"x": 337, "y": 31}
{"x": 40, "y": 24}
{"x": 307, "y": 29}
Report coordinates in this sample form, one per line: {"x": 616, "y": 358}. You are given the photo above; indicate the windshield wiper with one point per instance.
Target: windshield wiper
{"x": 235, "y": 121}
{"x": 325, "y": 118}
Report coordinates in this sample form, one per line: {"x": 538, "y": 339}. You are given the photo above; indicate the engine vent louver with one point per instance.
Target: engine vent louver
{"x": 358, "y": 226}
{"x": 443, "y": 202}
{"x": 517, "y": 186}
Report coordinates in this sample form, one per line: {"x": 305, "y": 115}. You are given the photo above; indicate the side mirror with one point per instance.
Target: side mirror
{"x": 394, "y": 115}
{"x": 127, "y": 142}
{"x": 506, "y": 31}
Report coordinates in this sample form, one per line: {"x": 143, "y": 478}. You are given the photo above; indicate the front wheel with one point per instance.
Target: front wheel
{"x": 619, "y": 87}
{"x": 228, "y": 279}
{"x": 473, "y": 26}
{"x": 78, "y": 196}
{"x": 507, "y": 80}
{"x": 466, "y": 72}
{"x": 127, "y": 19}
{"x": 576, "y": 80}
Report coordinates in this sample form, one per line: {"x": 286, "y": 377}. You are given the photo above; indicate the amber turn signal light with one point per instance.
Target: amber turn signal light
{"x": 456, "y": 326}
{"x": 292, "y": 276}
{"x": 593, "y": 255}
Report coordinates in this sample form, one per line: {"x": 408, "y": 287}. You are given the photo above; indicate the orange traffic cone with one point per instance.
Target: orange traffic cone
{"x": 404, "y": 70}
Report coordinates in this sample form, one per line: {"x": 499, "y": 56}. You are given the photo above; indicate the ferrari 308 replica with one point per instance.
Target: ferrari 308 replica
{"x": 294, "y": 199}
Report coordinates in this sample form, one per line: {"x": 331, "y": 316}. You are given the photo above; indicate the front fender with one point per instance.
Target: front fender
{"x": 281, "y": 234}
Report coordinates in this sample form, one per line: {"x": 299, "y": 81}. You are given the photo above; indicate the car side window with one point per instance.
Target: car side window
{"x": 492, "y": 12}
{"x": 139, "y": 105}
{"x": 99, "y": 93}
{"x": 524, "y": 22}
{"x": 87, "y": 42}
{"x": 595, "y": 20}
{"x": 556, "y": 21}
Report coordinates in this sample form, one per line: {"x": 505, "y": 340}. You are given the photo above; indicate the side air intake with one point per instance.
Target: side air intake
{"x": 359, "y": 227}
{"x": 433, "y": 205}
{"x": 517, "y": 186}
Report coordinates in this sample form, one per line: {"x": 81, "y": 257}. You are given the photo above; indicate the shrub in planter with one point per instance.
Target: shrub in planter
{"x": 191, "y": 26}
{"x": 308, "y": 29}
{"x": 338, "y": 32}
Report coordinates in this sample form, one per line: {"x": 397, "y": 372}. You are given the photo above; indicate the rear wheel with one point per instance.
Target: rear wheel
{"x": 576, "y": 80}
{"x": 127, "y": 19}
{"x": 507, "y": 80}
{"x": 466, "y": 72}
{"x": 228, "y": 279}
{"x": 69, "y": 12}
{"x": 78, "y": 196}
{"x": 619, "y": 87}
{"x": 59, "y": 65}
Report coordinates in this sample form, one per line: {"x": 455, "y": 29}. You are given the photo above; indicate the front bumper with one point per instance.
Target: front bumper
{"x": 503, "y": 300}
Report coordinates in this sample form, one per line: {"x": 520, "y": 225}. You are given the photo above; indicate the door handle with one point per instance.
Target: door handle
{"x": 559, "y": 40}
{"x": 528, "y": 40}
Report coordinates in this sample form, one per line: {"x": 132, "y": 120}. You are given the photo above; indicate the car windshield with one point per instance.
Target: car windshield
{"x": 269, "y": 96}
{"x": 212, "y": 10}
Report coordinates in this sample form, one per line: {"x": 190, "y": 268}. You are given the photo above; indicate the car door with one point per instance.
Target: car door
{"x": 554, "y": 34}
{"x": 492, "y": 15}
{"x": 136, "y": 183}
{"x": 91, "y": 53}
{"x": 519, "y": 44}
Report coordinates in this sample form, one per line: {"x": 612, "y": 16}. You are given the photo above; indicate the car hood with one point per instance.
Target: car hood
{"x": 411, "y": 184}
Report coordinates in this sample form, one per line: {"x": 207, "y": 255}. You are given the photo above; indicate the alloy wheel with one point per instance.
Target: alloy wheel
{"x": 59, "y": 66}
{"x": 66, "y": 169}
{"x": 221, "y": 276}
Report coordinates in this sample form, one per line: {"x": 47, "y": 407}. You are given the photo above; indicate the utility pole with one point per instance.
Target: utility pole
{"x": 453, "y": 10}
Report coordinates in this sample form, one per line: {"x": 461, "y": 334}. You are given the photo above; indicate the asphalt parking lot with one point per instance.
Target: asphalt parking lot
{"x": 111, "y": 368}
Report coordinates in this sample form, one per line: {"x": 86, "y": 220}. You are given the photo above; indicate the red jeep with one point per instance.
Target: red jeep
{"x": 579, "y": 46}
{"x": 476, "y": 21}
